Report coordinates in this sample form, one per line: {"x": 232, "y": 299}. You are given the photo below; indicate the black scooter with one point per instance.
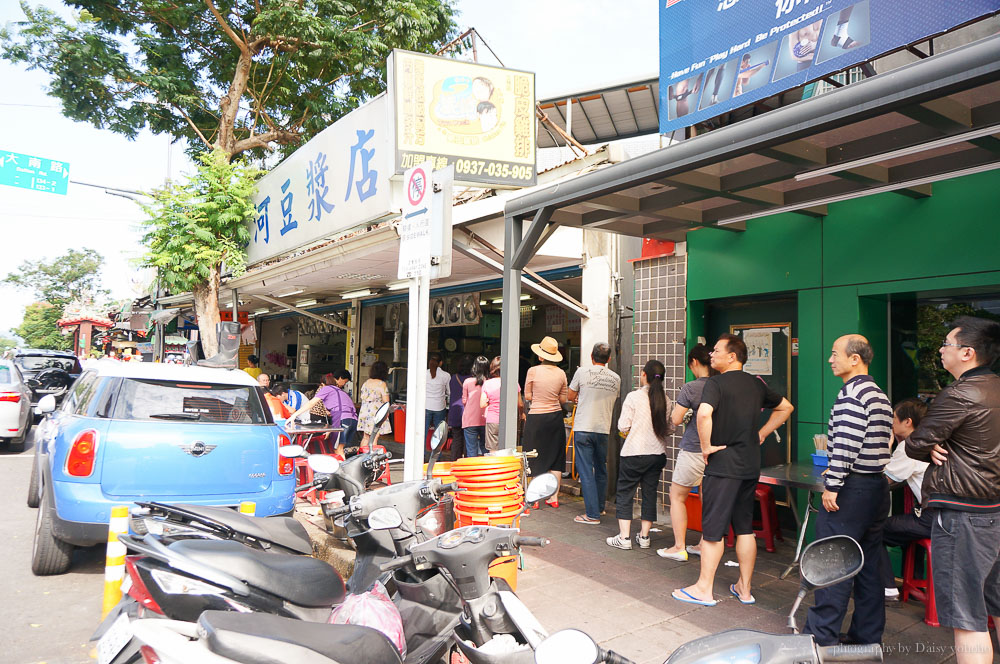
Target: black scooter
{"x": 824, "y": 563}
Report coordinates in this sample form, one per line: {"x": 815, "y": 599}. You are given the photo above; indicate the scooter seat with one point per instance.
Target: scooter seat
{"x": 260, "y": 638}
{"x": 301, "y": 580}
{"x": 282, "y": 530}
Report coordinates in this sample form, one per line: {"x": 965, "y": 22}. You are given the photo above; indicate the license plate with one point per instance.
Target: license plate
{"x": 116, "y": 638}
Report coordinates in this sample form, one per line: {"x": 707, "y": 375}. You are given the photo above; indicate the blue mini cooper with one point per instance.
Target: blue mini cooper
{"x": 134, "y": 431}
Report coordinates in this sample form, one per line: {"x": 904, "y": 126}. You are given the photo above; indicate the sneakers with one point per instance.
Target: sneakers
{"x": 692, "y": 550}
{"x": 680, "y": 556}
{"x": 643, "y": 542}
{"x": 620, "y": 542}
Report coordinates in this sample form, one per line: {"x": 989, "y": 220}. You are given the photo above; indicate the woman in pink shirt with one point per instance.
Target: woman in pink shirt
{"x": 546, "y": 388}
{"x": 474, "y": 415}
{"x": 490, "y": 401}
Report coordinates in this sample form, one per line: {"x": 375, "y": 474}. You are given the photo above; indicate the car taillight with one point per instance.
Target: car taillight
{"x": 138, "y": 590}
{"x": 285, "y": 466}
{"x": 80, "y": 461}
{"x": 149, "y": 655}
{"x": 13, "y": 397}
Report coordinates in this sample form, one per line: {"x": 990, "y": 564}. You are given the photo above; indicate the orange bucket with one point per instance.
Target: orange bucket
{"x": 505, "y": 568}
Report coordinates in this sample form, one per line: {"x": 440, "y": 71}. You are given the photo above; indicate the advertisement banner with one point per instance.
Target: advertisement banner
{"x": 717, "y": 55}
{"x": 337, "y": 180}
{"x": 479, "y": 118}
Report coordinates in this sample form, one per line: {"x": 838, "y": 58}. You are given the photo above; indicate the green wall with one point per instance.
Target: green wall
{"x": 844, "y": 266}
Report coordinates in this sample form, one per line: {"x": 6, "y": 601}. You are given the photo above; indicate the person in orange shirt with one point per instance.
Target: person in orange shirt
{"x": 275, "y": 397}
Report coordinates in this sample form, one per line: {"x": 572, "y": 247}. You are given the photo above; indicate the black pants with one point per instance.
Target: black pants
{"x": 900, "y": 530}
{"x": 864, "y": 504}
{"x": 457, "y": 443}
{"x": 643, "y": 471}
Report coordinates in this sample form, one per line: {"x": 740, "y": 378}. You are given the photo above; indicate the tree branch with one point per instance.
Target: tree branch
{"x": 264, "y": 140}
{"x": 228, "y": 30}
{"x": 193, "y": 126}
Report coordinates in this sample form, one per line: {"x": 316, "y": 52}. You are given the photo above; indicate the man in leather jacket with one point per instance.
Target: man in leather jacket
{"x": 960, "y": 436}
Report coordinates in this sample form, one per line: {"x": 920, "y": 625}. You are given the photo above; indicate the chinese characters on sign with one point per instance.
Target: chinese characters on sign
{"x": 480, "y": 119}
{"x": 351, "y": 156}
{"x": 36, "y": 173}
{"x": 415, "y": 226}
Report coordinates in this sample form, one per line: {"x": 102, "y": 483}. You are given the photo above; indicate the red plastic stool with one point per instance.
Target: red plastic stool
{"x": 767, "y": 528}
{"x": 920, "y": 589}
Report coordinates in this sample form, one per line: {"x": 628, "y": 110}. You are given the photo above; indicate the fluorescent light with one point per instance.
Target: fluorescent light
{"x": 498, "y": 300}
{"x": 350, "y": 295}
{"x": 902, "y": 152}
{"x": 483, "y": 302}
{"x": 398, "y": 285}
{"x": 525, "y": 297}
{"x": 290, "y": 293}
{"x": 305, "y": 303}
{"x": 860, "y": 194}
{"x": 262, "y": 311}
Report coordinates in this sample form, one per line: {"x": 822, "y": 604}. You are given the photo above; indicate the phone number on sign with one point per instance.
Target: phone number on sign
{"x": 493, "y": 169}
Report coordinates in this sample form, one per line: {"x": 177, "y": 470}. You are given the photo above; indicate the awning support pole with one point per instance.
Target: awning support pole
{"x": 303, "y": 312}
{"x": 528, "y": 246}
{"x": 510, "y": 333}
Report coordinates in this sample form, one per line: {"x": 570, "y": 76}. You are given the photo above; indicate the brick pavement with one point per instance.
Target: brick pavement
{"x": 622, "y": 598}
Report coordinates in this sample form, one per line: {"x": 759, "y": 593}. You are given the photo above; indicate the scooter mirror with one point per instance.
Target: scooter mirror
{"x": 540, "y": 488}
{"x": 829, "y": 561}
{"x": 385, "y": 518}
{"x": 568, "y": 646}
{"x": 439, "y": 436}
{"x": 381, "y": 414}
{"x": 321, "y": 463}
{"x": 292, "y": 451}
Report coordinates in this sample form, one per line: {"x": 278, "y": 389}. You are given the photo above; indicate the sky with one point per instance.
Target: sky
{"x": 569, "y": 44}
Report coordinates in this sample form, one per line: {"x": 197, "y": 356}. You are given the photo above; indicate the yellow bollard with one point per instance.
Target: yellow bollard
{"x": 248, "y": 507}
{"x": 114, "y": 564}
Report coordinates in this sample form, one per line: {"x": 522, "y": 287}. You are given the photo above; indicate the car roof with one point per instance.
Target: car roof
{"x": 157, "y": 371}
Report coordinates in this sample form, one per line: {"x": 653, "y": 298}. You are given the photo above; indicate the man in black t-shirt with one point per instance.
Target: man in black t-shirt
{"x": 730, "y": 441}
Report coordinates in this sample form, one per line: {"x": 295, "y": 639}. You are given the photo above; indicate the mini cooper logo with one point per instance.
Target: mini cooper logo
{"x": 197, "y": 448}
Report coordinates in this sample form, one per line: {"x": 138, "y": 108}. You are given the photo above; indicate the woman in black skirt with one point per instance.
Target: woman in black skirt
{"x": 544, "y": 431}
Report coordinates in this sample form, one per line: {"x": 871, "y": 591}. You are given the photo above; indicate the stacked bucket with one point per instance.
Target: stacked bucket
{"x": 492, "y": 493}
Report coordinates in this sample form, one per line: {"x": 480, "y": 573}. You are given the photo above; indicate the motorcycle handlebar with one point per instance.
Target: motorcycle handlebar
{"x": 871, "y": 652}
{"x": 395, "y": 563}
{"x": 530, "y": 541}
{"x": 379, "y": 458}
{"x": 308, "y": 485}
{"x": 447, "y": 488}
{"x": 611, "y": 657}
{"x": 339, "y": 511}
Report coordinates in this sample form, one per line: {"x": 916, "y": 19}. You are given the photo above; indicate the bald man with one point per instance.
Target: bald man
{"x": 856, "y": 496}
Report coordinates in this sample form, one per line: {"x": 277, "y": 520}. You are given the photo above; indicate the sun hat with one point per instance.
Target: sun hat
{"x": 548, "y": 349}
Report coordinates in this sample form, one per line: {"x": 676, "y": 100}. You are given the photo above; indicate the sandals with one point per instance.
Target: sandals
{"x": 583, "y": 518}
{"x": 554, "y": 504}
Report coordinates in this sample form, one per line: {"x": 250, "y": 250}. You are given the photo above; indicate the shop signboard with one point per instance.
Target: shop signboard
{"x": 717, "y": 55}
{"x": 336, "y": 181}
{"x": 479, "y": 118}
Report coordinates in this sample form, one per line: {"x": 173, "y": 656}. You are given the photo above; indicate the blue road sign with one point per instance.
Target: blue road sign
{"x": 37, "y": 173}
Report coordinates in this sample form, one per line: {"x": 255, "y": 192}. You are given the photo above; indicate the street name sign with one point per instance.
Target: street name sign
{"x": 35, "y": 173}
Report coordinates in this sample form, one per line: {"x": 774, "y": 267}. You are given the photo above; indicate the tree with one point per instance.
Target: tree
{"x": 39, "y": 329}
{"x": 234, "y": 75}
{"x": 72, "y": 276}
{"x": 6, "y": 343}
{"x": 194, "y": 227}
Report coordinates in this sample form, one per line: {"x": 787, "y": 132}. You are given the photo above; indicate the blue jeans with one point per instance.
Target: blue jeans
{"x": 434, "y": 417}
{"x": 591, "y": 466}
{"x": 475, "y": 441}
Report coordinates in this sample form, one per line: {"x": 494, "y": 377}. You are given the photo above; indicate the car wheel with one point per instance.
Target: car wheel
{"x": 17, "y": 444}
{"x": 48, "y": 555}
{"x": 34, "y": 494}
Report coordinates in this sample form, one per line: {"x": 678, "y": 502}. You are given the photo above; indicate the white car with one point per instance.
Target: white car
{"x": 15, "y": 406}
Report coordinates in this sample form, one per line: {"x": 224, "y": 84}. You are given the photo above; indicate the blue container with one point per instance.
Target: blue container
{"x": 820, "y": 459}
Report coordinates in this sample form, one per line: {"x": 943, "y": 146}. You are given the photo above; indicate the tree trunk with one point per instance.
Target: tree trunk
{"x": 206, "y": 309}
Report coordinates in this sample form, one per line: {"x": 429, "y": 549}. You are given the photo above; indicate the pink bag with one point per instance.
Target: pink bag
{"x": 372, "y": 609}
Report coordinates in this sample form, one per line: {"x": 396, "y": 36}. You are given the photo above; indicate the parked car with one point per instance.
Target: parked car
{"x": 47, "y": 371}
{"x": 15, "y": 407}
{"x": 151, "y": 432}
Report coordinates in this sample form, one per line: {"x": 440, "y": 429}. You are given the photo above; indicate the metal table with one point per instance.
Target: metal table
{"x": 796, "y": 476}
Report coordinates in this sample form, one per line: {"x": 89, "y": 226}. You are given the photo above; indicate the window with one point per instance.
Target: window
{"x": 162, "y": 400}
{"x": 6, "y": 375}
{"x": 39, "y": 362}
{"x": 81, "y": 393}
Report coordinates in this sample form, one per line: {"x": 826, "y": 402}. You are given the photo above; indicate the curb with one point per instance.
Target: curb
{"x": 326, "y": 547}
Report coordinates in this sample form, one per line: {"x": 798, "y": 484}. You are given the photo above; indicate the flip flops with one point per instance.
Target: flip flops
{"x": 688, "y": 598}
{"x": 583, "y": 518}
{"x": 732, "y": 590}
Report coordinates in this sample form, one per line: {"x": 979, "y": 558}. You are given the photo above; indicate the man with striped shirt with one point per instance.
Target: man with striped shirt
{"x": 856, "y": 499}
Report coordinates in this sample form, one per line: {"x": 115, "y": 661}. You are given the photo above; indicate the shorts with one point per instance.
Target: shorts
{"x": 492, "y": 436}
{"x": 965, "y": 559}
{"x": 726, "y": 501}
{"x": 689, "y": 469}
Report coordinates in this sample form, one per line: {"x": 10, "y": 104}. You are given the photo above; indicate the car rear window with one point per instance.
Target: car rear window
{"x": 161, "y": 400}
{"x": 39, "y": 362}
{"x": 6, "y": 375}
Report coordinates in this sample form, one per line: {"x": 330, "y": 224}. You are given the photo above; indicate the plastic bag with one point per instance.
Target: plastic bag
{"x": 372, "y": 609}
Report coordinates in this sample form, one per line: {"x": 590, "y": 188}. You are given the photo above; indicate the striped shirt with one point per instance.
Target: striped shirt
{"x": 860, "y": 431}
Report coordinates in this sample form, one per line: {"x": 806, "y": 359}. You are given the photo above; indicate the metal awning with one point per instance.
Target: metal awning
{"x": 899, "y": 131}
{"x": 611, "y": 113}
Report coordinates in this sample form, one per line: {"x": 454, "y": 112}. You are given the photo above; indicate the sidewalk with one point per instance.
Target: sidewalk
{"x": 622, "y": 598}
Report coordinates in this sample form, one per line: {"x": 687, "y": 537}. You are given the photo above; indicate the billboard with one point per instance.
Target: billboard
{"x": 337, "y": 180}
{"x": 717, "y": 55}
{"x": 479, "y": 118}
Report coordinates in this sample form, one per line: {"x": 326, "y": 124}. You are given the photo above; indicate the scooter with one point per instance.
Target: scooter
{"x": 473, "y": 612}
{"x": 825, "y": 562}
{"x": 181, "y": 579}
